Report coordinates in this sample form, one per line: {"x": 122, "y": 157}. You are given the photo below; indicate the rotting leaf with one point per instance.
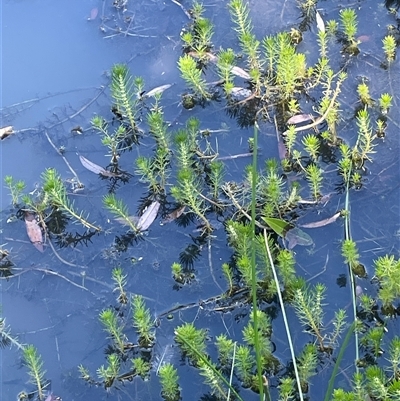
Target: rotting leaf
{"x": 295, "y": 236}
{"x": 6, "y": 131}
{"x": 299, "y": 118}
{"x": 322, "y": 223}
{"x": 34, "y": 231}
{"x": 149, "y": 215}
{"x": 157, "y": 90}
{"x": 240, "y": 72}
{"x": 174, "y": 215}
{"x": 95, "y": 168}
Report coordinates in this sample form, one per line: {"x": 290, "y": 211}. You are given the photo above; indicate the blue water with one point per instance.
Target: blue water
{"x": 55, "y": 76}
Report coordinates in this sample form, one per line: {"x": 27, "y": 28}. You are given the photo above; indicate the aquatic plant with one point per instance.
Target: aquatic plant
{"x": 363, "y": 93}
{"x": 15, "y": 187}
{"x": 387, "y": 272}
{"x": 114, "y": 327}
{"x": 142, "y": 321}
{"x": 348, "y": 19}
{"x": 311, "y": 145}
{"x": 109, "y": 373}
{"x": 191, "y": 341}
{"x": 365, "y": 140}
{"x": 34, "y": 364}
{"x": 307, "y": 365}
{"x": 141, "y": 367}
{"x": 199, "y": 38}
{"x": 169, "y": 380}
{"x": 120, "y": 280}
{"x": 192, "y": 76}
{"x": 385, "y": 102}
{"x": 314, "y": 177}
{"x": 6, "y": 338}
{"x": 119, "y": 209}
{"x": 56, "y": 193}
{"x": 125, "y": 90}
{"x": 389, "y": 47}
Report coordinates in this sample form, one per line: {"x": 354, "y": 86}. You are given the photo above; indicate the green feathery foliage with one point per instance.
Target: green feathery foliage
{"x": 33, "y": 362}
{"x": 142, "y": 321}
{"x": 169, "y": 380}
{"x": 57, "y": 195}
{"x": 120, "y": 210}
{"x": 114, "y": 328}
{"x": 125, "y": 91}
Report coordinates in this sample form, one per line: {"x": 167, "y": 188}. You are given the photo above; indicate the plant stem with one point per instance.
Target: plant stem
{"x": 253, "y": 264}
{"x": 353, "y": 284}
{"x": 285, "y": 320}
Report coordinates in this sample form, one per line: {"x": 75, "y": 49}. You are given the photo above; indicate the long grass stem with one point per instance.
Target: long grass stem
{"x": 253, "y": 264}
{"x": 285, "y": 320}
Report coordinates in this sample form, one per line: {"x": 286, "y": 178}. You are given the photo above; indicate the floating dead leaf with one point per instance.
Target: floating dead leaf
{"x": 95, "y": 168}
{"x": 240, "y": 72}
{"x": 133, "y": 219}
{"x": 173, "y": 215}
{"x": 295, "y": 236}
{"x": 149, "y": 215}
{"x": 34, "y": 231}
{"x": 6, "y": 131}
{"x": 93, "y": 13}
{"x": 241, "y": 93}
{"x": 320, "y": 22}
{"x": 156, "y": 91}
{"x": 322, "y": 223}
{"x": 299, "y": 118}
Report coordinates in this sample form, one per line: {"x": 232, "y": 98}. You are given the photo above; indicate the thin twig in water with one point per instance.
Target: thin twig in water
{"x": 81, "y": 110}
{"x": 211, "y": 265}
{"x": 235, "y": 156}
{"x": 65, "y": 160}
{"x": 182, "y": 8}
{"x": 63, "y": 260}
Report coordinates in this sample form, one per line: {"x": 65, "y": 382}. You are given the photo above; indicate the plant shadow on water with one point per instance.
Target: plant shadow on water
{"x": 235, "y": 237}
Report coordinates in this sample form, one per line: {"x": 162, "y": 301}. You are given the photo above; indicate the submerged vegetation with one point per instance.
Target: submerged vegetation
{"x": 266, "y": 82}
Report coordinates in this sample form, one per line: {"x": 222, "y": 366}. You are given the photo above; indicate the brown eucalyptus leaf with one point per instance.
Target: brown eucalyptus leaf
{"x": 299, "y": 118}
{"x": 155, "y": 91}
{"x": 6, "y": 131}
{"x": 95, "y": 168}
{"x": 321, "y": 223}
{"x": 174, "y": 215}
{"x": 34, "y": 231}
{"x": 149, "y": 215}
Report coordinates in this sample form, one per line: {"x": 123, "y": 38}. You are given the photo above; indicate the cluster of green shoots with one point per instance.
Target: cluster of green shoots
{"x": 124, "y": 359}
{"x": 183, "y": 169}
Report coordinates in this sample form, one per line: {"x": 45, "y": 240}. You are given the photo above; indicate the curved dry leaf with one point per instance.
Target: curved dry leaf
{"x": 6, "y": 131}
{"x": 95, "y": 168}
{"x": 240, "y": 72}
{"x": 34, "y": 231}
{"x": 295, "y": 236}
{"x": 299, "y": 118}
{"x": 149, "y": 215}
{"x": 174, "y": 215}
{"x": 155, "y": 91}
{"x": 322, "y": 223}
